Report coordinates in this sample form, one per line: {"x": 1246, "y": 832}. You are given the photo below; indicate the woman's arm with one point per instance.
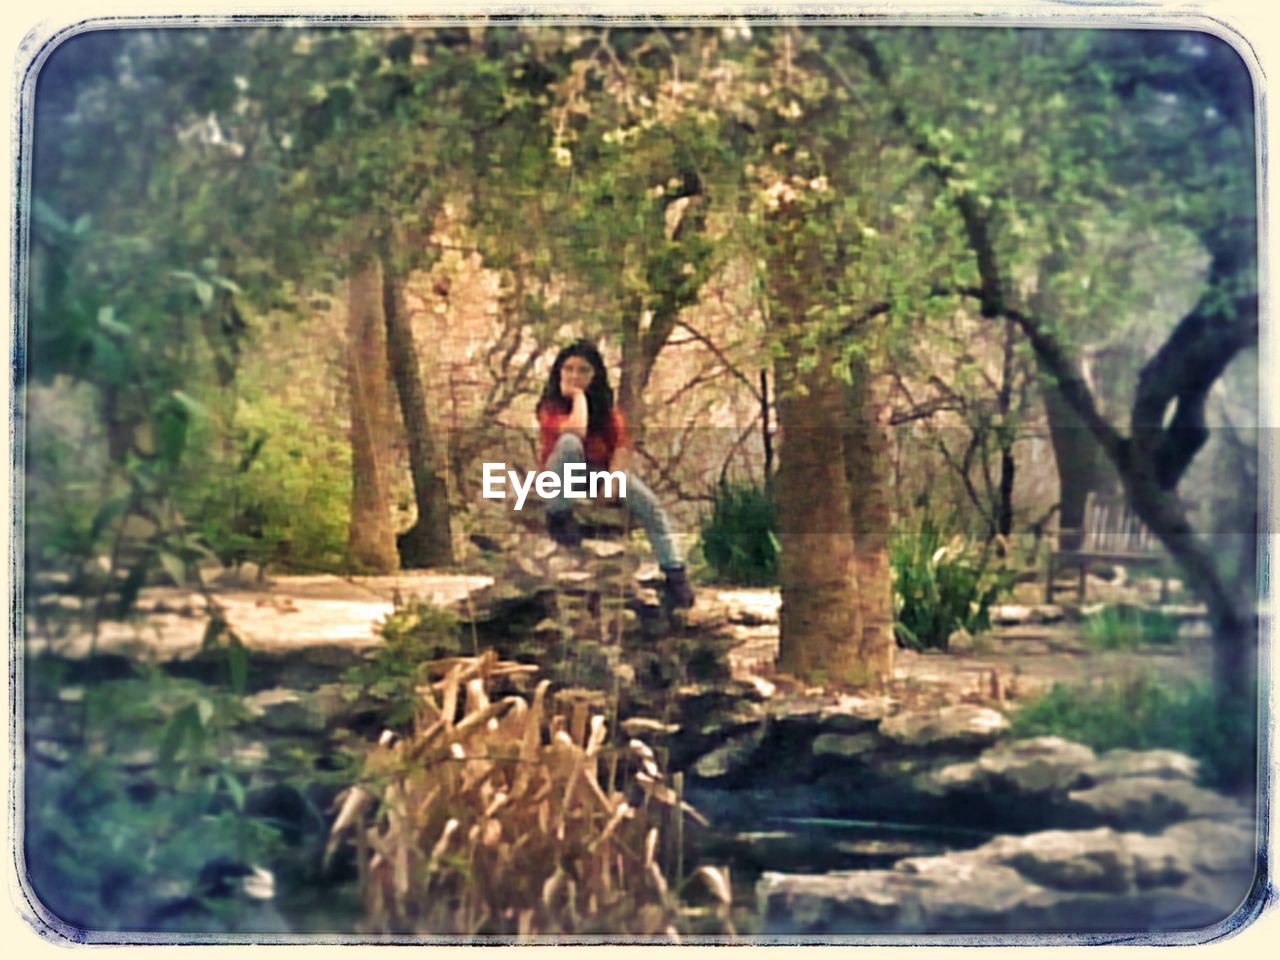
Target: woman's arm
{"x": 576, "y": 422}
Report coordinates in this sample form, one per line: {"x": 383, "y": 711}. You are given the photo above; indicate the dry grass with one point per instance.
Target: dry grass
{"x": 493, "y": 818}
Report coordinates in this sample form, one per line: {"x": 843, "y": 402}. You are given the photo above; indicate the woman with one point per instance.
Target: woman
{"x": 578, "y": 423}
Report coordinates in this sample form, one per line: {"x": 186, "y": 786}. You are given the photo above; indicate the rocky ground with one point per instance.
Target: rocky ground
{"x": 909, "y": 810}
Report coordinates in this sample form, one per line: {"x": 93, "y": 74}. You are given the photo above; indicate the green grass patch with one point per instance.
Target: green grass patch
{"x": 1124, "y": 627}
{"x": 1143, "y": 713}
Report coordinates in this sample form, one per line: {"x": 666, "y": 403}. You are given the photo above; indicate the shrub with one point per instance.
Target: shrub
{"x": 1143, "y": 713}
{"x": 504, "y": 818}
{"x": 277, "y": 491}
{"x": 941, "y": 587}
{"x": 415, "y": 633}
{"x": 739, "y": 538}
{"x": 130, "y": 815}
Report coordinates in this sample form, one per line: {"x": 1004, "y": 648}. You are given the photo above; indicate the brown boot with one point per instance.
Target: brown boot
{"x": 676, "y": 589}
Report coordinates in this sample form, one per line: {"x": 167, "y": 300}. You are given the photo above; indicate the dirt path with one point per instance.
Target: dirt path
{"x": 292, "y": 613}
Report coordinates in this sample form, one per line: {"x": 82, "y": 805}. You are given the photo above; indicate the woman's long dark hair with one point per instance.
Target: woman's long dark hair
{"x": 599, "y": 393}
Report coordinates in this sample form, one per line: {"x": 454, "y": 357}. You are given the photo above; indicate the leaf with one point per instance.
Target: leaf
{"x": 213, "y": 632}
{"x": 235, "y": 788}
{"x": 237, "y": 663}
{"x": 204, "y": 711}
{"x": 109, "y": 513}
{"x": 108, "y": 322}
{"x": 181, "y": 726}
{"x": 174, "y": 566}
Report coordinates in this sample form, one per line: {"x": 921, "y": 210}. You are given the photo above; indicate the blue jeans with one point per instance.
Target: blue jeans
{"x": 640, "y": 501}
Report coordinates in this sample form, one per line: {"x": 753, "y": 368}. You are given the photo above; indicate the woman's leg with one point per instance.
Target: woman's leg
{"x": 643, "y": 505}
{"x": 568, "y": 449}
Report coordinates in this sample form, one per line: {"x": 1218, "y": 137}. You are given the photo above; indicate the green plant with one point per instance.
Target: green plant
{"x": 275, "y": 489}
{"x": 738, "y": 538}
{"x": 415, "y": 633}
{"x": 1143, "y": 713}
{"x": 1125, "y": 627}
{"x": 130, "y": 801}
{"x": 940, "y": 587}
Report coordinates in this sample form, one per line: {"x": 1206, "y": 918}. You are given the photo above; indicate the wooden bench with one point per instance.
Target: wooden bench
{"x": 1112, "y": 534}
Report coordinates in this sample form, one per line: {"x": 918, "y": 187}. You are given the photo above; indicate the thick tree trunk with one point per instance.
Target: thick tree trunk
{"x": 1079, "y": 464}
{"x": 821, "y": 635}
{"x": 428, "y": 543}
{"x": 867, "y": 471}
{"x": 371, "y": 537}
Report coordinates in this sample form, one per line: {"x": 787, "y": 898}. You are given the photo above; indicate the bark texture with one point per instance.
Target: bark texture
{"x": 867, "y": 473}
{"x": 429, "y": 542}
{"x": 371, "y": 536}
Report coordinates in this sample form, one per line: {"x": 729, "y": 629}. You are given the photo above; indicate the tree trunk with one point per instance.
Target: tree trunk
{"x": 371, "y": 537}
{"x": 820, "y": 632}
{"x": 634, "y": 375}
{"x": 428, "y": 543}
{"x": 1006, "y": 434}
{"x": 1078, "y": 460}
{"x": 867, "y": 470}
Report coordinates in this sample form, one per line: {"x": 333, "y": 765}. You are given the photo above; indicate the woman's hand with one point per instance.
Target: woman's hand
{"x": 576, "y": 422}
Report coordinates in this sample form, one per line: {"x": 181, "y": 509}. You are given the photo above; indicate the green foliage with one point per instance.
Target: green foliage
{"x": 1116, "y": 627}
{"x": 123, "y": 825}
{"x": 414, "y": 634}
{"x": 940, "y": 587}
{"x": 277, "y": 489}
{"x": 1144, "y": 713}
{"x": 738, "y": 537}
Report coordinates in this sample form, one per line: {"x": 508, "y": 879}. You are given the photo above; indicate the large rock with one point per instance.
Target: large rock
{"x": 1091, "y": 860}
{"x": 1149, "y": 803}
{"x": 1160, "y": 764}
{"x": 729, "y": 758}
{"x": 961, "y": 725}
{"x": 1093, "y": 880}
{"x": 1216, "y": 846}
{"x": 844, "y": 745}
{"x": 1039, "y": 765}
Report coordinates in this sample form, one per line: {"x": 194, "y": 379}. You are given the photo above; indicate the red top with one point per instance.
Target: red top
{"x": 599, "y": 446}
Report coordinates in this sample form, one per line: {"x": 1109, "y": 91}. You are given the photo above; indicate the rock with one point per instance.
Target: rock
{"x": 729, "y": 757}
{"x": 736, "y": 716}
{"x": 963, "y": 894}
{"x": 844, "y": 745}
{"x": 1010, "y": 614}
{"x": 960, "y": 642}
{"x": 1160, "y": 764}
{"x": 853, "y": 714}
{"x": 281, "y": 710}
{"x": 959, "y": 725}
{"x": 1091, "y": 860}
{"x": 1215, "y": 846}
{"x": 1047, "y": 613}
{"x": 1037, "y": 766}
{"x": 647, "y": 726}
{"x": 1148, "y": 803}
{"x": 1157, "y": 861}
{"x": 762, "y": 686}
{"x": 752, "y": 608}
{"x": 1095, "y": 880}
